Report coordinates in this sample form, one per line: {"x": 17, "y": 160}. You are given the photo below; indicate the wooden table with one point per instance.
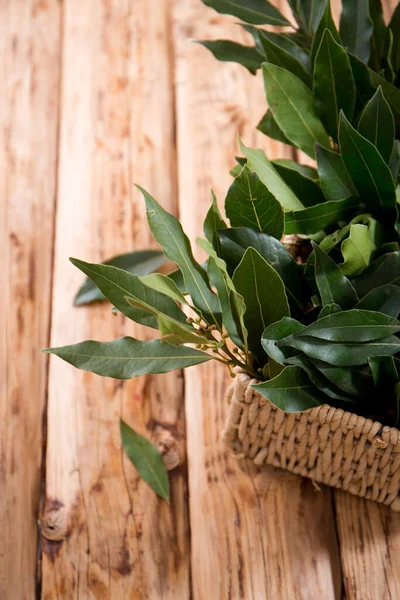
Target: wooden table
{"x": 99, "y": 94}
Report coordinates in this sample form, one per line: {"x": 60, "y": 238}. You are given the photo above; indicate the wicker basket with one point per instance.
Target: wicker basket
{"x": 326, "y": 444}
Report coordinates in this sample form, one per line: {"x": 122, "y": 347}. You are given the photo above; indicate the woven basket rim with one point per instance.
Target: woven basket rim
{"x": 389, "y": 435}
{"x": 326, "y": 444}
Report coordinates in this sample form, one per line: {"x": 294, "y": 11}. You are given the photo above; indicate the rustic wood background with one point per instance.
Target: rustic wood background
{"x": 98, "y": 94}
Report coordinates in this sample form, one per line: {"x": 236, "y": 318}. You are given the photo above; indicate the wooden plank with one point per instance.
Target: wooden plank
{"x": 105, "y": 533}
{"x": 267, "y": 535}
{"x": 369, "y": 540}
{"x": 30, "y": 48}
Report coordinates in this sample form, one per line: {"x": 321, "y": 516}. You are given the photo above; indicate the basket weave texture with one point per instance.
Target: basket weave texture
{"x": 326, "y": 444}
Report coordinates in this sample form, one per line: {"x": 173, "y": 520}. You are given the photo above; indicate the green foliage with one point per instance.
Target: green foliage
{"x": 213, "y": 221}
{"x": 249, "y": 202}
{"x": 147, "y": 460}
{"x": 117, "y": 284}
{"x": 264, "y": 305}
{"x": 366, "y": 167}
{"x": 377, "y": 124}
{"x": 279, "y": 390}
{"x": 356, "y": 28}
{"x": 293, "y": 105}
{"x": 228, "y": 51}
{"x": 126, "y": 357}
{"x": 269, "y": 176}
{"x": 334, "y": 85}
{"x": 258, "y": 12}
{"x": 313, "y": 317}
{"x": 141, "y": 262}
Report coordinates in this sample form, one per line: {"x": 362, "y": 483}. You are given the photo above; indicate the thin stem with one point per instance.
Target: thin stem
{"x": 246, "y": 366}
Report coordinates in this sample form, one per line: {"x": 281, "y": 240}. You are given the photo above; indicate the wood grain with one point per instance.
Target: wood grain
{"x": 30, "y": 48}
{"x": 266, "y": 535}
{"x": 105, "y": 533}
{"x": 254, "y": 534}
{"x": 369, "y": 537}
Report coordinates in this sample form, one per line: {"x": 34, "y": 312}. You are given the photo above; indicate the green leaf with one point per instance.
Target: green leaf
{"x": 235, "y": 171}
{"x": 232, "y": 303}
{"x": 234, "y": 243}
{"x": 304, "y": 170}
{"x": 333, "y": 239}
{"x": 164, "y": 285}
{"x": 283, "y": 40}
{"x": 321, "y": 382}
{"x": 259, "y": 163}
{"x": 357, "y": 250}
{"x": 292, "y": 104}
{"x": 379, "y": 34}
{"x": 269, "y": 127}
{"x": 384, "y": 270}
{"x": 308, "y": 13}
{"x": 249, "y": 202}
{"x": 383, "y": 371}
{"x": 334, "y": 86}
{"x": 368, "y": 170}
{"x": 116, "y": 284}
{"x": 326, "y": 22}
{"x": 213, "y": 220}
{"x": 392, "y": 93}
{"x": 329, "y": 309}
{"x": 291, "y": 391}
{"x": 177, "y": 333}
{"x": 377, "y": 124}
{"x": 383, "y": 299}
{"x": 333, "y": 286}
{"x": 355, "y": 381}
{"x": 277, "y": 55}
{"x": 177, "y": 277}
{"x": 356, "y": 28}
{"x": 168, "y": 232}
{"x": 138, "y": 304}
{"x": 388, "y": 71}
{"x": 272, "y": 369}
{"x": 387, "y": 247}
{"x": 353, "y": 326}
{"x": 126, "y": 357}
{"x": 394, "y": 25}
{"x": 257, "y": 12}
{"x": 140, "y": 262}
{"x": 298, "y": 13}
{"x": 147, "y": 460}
{"x": 278, "y": 331}
{"x": 394, "y": 163}
{"x": 314, "y": 219}
{"x": 306, "y": 189}
{"x": 334, "y": 178}
{"x": 346, "y": 354}
{"x": 227, "y": 51}
{"x": 367, "y": 81}
{"x": 386, "y": 379}
{"x": 264, "y": 295}
{"x": 313, "y": 12}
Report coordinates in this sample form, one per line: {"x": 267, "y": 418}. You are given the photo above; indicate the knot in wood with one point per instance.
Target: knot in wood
{"x": 169, "y": 449}
{"x": 53, "y": 522}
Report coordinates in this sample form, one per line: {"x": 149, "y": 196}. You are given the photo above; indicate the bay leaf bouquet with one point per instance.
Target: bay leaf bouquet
{"x": 313, "y": 316}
